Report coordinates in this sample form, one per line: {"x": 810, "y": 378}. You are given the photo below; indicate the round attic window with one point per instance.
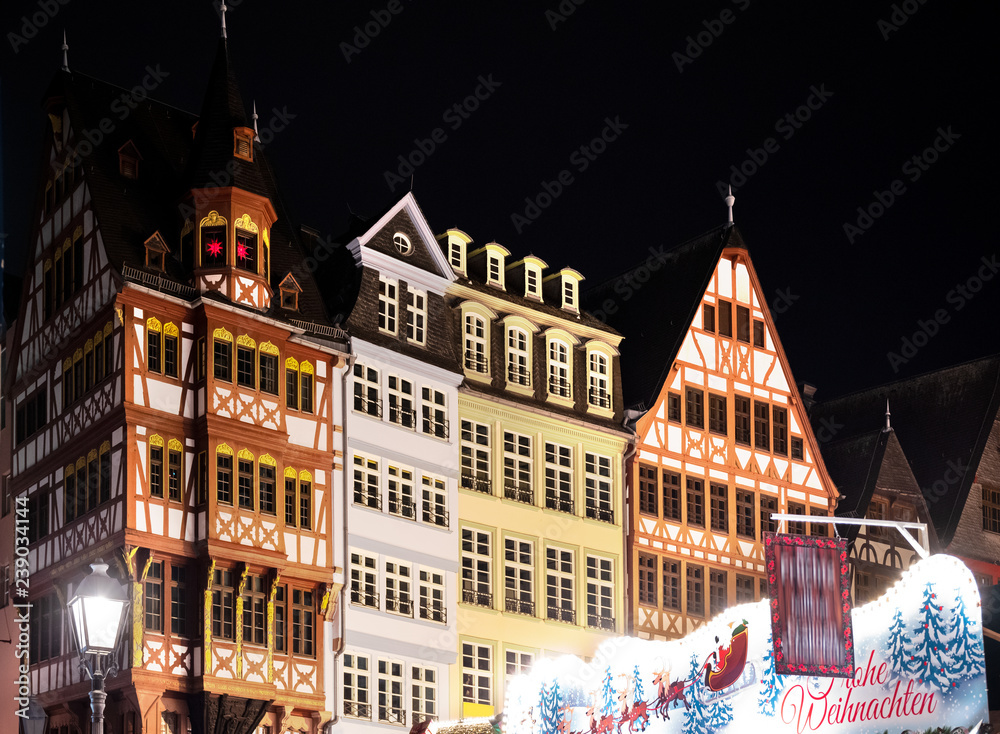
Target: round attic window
{"x": 402, "y": 243}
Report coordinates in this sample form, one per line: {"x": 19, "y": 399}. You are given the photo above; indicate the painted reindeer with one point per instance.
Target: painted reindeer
{"x": 636, "y": 713}
{"x": 565, "y": 720}
{"x": 606, "y": 724}
{"x": 667, "y": 693}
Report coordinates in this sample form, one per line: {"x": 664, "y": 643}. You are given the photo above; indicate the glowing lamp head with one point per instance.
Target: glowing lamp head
{"x": 97, "y": 611}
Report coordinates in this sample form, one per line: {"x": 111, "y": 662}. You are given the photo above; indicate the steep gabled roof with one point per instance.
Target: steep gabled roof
{"x": 942, "y": 420}
{"x": 654, "y": 315}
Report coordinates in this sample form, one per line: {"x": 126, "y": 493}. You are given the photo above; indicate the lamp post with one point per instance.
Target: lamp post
{"x": 97, "y": 612}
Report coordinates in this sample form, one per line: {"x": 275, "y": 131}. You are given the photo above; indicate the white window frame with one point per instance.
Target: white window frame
{"x": 560, "y": 369}
{"x": 401, "y": 499}
{"x": 598, "y": 380}
{"x": 357, "y": 686}
{"x": 402, "y": 243}
{"x": 477, "y": 567}
{"x": 369, "y": 405}
{"x": 560, "y": 584}
{"x": 518, "y": 467}
{"x": 477, "y": 673}
{"x": 494, "y": 268}
{"x": 399, "y": 588}
{"x": 402, "y": 405}
{"x": 570, "y": 297}
{"x": 601, "y": 593}
{"x": 435, "y": 498}
{"x": 434, "y": 412}
{"x": 518, "y": 357}
{"x": 476, "y": 344}
{"x": 423, "y": 692}
{"x": 517, "y": 662}
{"x": 416, "y": 316}
{"x": 433, "y": 600}
{"x": 533, "y": 282}
{"x": 598, "y": 479}
{"x": 456, "y": 255}
{"x": 475, "y": 457}
{"x": 364, "y": 580}
{"x": 365, "y": 477}
{"x": 391, "y": 689}
{"x": 519, "y": 575}
{"x": 388, "y": 305}
{"x": 559, "y": 493}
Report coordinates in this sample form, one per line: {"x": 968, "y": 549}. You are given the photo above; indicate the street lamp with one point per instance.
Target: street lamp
{"x": 97, "y": 612}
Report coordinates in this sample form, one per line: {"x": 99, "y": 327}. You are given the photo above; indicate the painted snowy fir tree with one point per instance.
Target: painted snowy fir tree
{"x": 697, "y": 719}
{"x": 637, "y": 692}
{"x": 720, "y": 714}
{"x": 967, "y": 644}
{"x": 549, "y": 708}
{"x": 900, "y": 660}
{"x": 931, "y": 639}
{"x": 608, "y": 695}
{"x": 771, "y": 684}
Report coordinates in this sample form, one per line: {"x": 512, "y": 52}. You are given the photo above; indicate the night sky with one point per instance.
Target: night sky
{"x": 840, "y": 100}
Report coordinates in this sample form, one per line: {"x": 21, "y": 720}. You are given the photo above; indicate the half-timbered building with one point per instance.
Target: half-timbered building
{"x": 401, "y": 465}
{"x": 723, "y": 440}
{"x": 175, "y": 390}
{"x": 542, "y": 446}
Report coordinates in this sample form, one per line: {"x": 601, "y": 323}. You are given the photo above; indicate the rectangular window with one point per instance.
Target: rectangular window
{"x": 99, "y": 359}
{"x": 477, "y": 568}
{"x": 647, "y": 579}
{"x": 399, "y": 588}
{"x": 477, "y": 674}
{"x": 79, "y": 387}
{"x": 695, "y": 590}
{"x": 559, "y": 478}
{"x": 695, "y": 502}
{"x": 366, "y": 391}
{"x": 519, "y": 576}
{"x": 598, "y": 377}
{"x": 743, "y": 324}
{"x": 155, "y": 471}
{"x": 303, "y": 623}
{"x": 69, "y": 495}
{"x": 475, "y": 456}
{"x": 152, "y": 598}
{"x": 671, "y": 584}
{"x": 741, "y": 410}
{"x": 780, "y": 418}
{"x": 254, "y": 611}
{"x": 174, "y": 475}
{"x": 202, "y": 359}
{"x": 224, "y": 478}
{"x": 744, "y": 589}
{"x": 717, "y": 594}
{"x": 401, "y": 502}
{"x": 719, "y": 495}
{"x": 269, "y": 373}
{"x": 435, "y": 497}
{"x": 306, "y": 405}
{"x": 597, "y": 479}
{"x": 600, "y": 593}
{"x": 305, "y": 505}
{"x": 153, "y": 355}
{"x": 93, "y": 478}
{"x": 401, "y": 402}
{"x": 745, "y": 513}
{"x": 266, "y": 488}
{"x": 245, "y": 365}
{"x": 222, "y": 604}
{"x": 364, "y": 581}
{"x": 105, "y": 484}
{"x": 416, "y": 317}
{"x": 518, "y": 362}
{"x": 387, "y": 305}
{"x": 475, "y": 344}
{"x": 45, "y": 614}
{"x": 291, "y": 505}
{"x": 717, "y": 413}
{"x": 673, "y": 407}
{"x": 761, "y": 426}
{"x": 796, "y": 527}
{"x": 245, "y": 478}
{"x": 708, "y": 317}
{"x": 671, "y": 495}
{"x": 222, "y": 360}
{"x": 518, "y": 663}
{"x": 432, "y": 596}
{"x": 88, "y": 361}
{"x": 435, "y": 413}
{"x": 797, "y": 452}
{"x": 758, "y": 333}
{"x": 366, "y": 483}
{"x": 517, "y": 468}
{"x": 170, "y": 355}
{"x": 767, "y": 506}
{"x": 202, "y": 478}
{"x": 559, "y": 369}
{"x": 291, "y": 388}
{"x": 357, "y": 682}
{"x": 991, "y": 509}
{"x": 818, "y": 529}
{"x": 390, "y": 692}
{"x": 38, "y": 516}
{"x": 725, "y": 318}
{"x": 178, "y": 600}
{"x": 560, "y": 585}
{"x": 695, "y": 405}
{"x": 647, "y": 490}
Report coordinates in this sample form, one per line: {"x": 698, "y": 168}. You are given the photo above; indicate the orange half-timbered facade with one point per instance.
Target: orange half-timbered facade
{"x": 723, "y": 439}
{"x": 176, "y": 391}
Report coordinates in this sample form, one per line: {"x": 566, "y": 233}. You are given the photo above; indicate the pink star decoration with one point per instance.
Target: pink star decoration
{"x": 214, "y": 248}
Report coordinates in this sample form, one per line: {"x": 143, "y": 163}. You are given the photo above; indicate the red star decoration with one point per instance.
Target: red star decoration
{"x": 214, "y": 248}
{"x": 241, "y": 251}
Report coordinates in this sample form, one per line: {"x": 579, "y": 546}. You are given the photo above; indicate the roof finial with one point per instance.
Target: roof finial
{"x": 222, "y": 12}
{"x": 65, "y": 50}
{"x": 730, "y": 200}
{"x": 888, "y": 424}
{"x": 256, "y": 136}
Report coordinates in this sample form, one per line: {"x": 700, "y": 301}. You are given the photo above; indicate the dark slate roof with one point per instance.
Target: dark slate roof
{"x": 654, "y": 316}
{"x": 942, "y": 420}
{"x": 129, "y": 211}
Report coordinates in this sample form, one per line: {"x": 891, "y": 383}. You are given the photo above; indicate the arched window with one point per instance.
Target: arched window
{"x": 598, "y": 374}
{"x": 559, "y": 369}
{"x": 246, "y": 243}
{"x": 155, "y": 466}
{"x": 213, "y": 245}
{"x": 518, "y": 357}
{"x": 475, "y": 344}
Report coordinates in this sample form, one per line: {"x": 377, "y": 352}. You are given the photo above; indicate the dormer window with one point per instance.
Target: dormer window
{"x": 456, "y": 256}
{"x": 243, "y": 143}
{"x": 569, "y": 294}
{"x": 494, "y": 268}
{"x": 532, "y": 282}
{"x": 290, "y": 290}
{"x": 402, "y": 243}
{"x": 156, "y": 252}
{"x": 457, "y": 243}
{"x": 128, "y": 160}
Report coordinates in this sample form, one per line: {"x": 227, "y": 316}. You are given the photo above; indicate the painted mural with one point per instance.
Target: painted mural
{"x": 918, "y": 663}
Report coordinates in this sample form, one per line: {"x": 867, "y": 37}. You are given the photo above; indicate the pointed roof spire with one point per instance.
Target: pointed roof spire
{"x": 888, "y": 423}
{"x": 730, "y": 200}
{"x": 65, "y": 50}
{"x": 222, "y": 12}
{"x": 256, "y": 135}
